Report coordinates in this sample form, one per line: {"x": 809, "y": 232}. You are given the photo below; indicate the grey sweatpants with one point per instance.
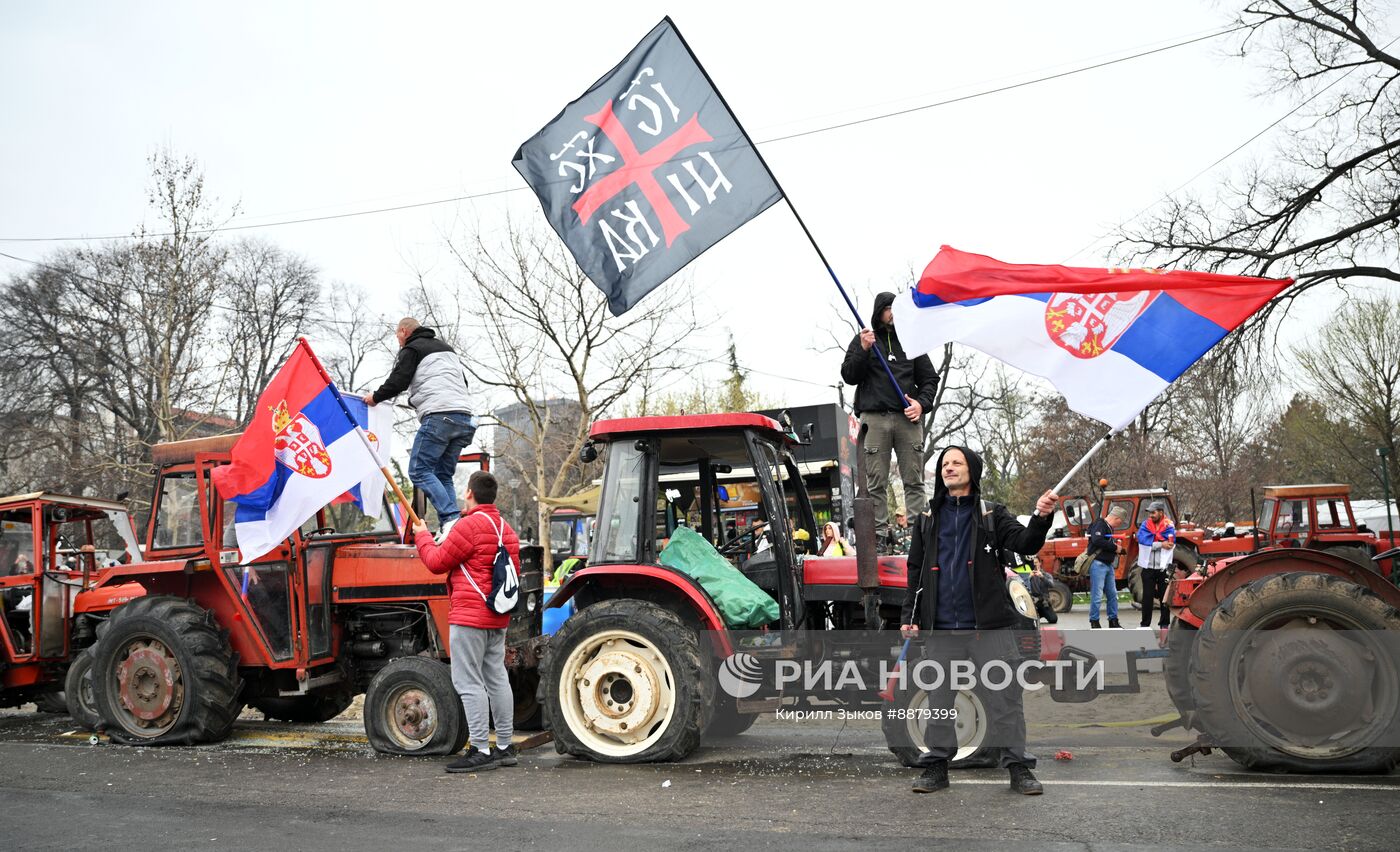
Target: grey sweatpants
{"x": 479, "y": 675}
{"x": 887, "y": 431}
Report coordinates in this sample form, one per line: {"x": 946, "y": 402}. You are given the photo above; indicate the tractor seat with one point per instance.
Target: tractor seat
{"x": 762, "y": 570}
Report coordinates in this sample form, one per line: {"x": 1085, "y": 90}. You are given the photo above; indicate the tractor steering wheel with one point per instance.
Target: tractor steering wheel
{"x": 737, "y": 545}
{"x": 319, "y": 531}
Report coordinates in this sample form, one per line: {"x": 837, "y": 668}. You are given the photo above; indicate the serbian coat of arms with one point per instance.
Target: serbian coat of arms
{"x": 297, "y": 443}
{"x": 1088, "y": 324}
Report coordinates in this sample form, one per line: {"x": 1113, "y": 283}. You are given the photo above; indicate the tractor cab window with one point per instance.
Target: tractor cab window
{"x": 771, "y": 472}
{"x": 177, "y": 512}
{"x": 1331, "y": 514}
{"x": 1293, "y": 517}
{"x": 1125, "y": 505}
{"x": 1266, "y": 515}
{"x": 17, "y": 560}
{"x": 619, "y": 512}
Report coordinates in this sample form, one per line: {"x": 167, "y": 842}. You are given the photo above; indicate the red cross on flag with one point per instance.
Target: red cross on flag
{"x": 646, "y": 171}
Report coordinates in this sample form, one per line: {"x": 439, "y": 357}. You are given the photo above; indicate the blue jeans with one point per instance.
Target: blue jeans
{"x": 1102, "y": 584}
{"x": 433, "y": 459}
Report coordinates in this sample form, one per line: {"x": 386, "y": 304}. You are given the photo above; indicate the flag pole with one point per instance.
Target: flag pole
{"x": 1099, "y": 445}
{"x": 374, "y": 454}
{"x": 860, "y": 322}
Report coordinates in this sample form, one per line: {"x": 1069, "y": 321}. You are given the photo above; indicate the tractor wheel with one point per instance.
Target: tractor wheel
{"x": 1181, "y": 641}
{"x": 308, "y": 709}
{"x": 1135, "y": 586}
{"x": 1298, "y": 672}
{"x": 411, "y": 707}
{"x": 525, "y": 686}
{"x": 1060, "y": 597}
{"x": 624, "y": 682}
{"x": 1185, "y": 558}
{"x": 163, "y": 674}
{"x": 1355, "y": 553}
{"x": 728, "y": 721}
{"x": 904, "y": 722}
{"x": 77, "y": 692}
{"x": 51, "y": 702}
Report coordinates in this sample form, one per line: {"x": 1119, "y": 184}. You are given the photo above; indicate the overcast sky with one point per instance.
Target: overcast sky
{"x": 304, "y": 109}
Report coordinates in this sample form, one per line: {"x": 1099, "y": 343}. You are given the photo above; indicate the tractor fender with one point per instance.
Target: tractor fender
{"x": 651, "y": 582}
{"x": 1246, "y": 569}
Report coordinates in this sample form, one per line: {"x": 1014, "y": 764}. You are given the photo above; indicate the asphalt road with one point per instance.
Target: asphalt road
{"x": 813, "y": 785}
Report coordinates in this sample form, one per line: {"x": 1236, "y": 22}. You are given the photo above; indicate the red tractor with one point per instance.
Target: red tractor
{"x": 634, "y": 674}
{"x": 1317, "y": 517}
{"x": 192, "y": 634}
{"x": 52, "y": 548}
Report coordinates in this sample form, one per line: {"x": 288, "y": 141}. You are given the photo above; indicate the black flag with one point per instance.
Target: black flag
{"x": 646, "y": 171}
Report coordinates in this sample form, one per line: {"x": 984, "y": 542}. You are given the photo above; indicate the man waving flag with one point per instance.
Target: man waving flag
{"x": 1110, "y": 340}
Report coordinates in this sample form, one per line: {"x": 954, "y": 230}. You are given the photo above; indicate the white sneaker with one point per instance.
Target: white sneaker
{"x": 446, "y": 528}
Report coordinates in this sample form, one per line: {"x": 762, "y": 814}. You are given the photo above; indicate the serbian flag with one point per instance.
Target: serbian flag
{"x": 646, "y": 170}
{"x": 1110, "y": 340}
{"x": 299, "y": 453}
{"x": 378, "y": 423}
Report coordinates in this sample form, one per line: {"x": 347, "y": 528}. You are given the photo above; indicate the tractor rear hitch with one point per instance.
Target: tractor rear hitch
{"x": 1158, "y": 730}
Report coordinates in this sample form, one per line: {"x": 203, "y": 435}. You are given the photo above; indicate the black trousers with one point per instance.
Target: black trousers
{"x": 1154, "y": 588}
{"x": 1006, "y": 718}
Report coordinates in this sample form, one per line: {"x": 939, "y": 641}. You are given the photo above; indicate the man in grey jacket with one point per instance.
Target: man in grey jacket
{"x": 432, "y": 374}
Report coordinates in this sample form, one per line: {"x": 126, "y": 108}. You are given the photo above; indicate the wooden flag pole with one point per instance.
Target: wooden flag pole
{"x": 374, "y": 454}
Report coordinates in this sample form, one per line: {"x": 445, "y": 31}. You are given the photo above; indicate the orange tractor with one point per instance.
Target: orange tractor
{"x": 170, "y": 644}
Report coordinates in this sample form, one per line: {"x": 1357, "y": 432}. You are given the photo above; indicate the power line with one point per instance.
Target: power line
{"x": 824, "y": 129}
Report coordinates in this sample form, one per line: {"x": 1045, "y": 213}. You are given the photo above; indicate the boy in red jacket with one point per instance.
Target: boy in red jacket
{"x": 478, "y": 634}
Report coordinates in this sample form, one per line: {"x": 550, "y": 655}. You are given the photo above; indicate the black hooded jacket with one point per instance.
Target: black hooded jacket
{"x": 997, "y": 531}
{"x": 862, "y": 369}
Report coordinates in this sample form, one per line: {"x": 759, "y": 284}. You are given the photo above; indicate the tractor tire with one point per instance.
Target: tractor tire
{"x": 625, "y": 682}
{"x": 1274, "y": 699}
{"x": 727, "y": 720}
{"x": 1060, "y": 597}
{"x": 163, "y": 674}
{"x": 411, "y": 708}
{"x": 904, "y": 729}
{"x": 51, "y": 702}
{"x": 77, "y": 692}
{"x": 1185, "y": 558}
{"x": 1355, "y": 553}
{"x": 1134, "y": 579}
{"x": 529, "y": 712}
{"x": 1181, "y": 641}
{"x": 306, "y": 709}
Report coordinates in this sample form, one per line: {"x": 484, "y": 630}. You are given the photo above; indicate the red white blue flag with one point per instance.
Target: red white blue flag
{"x": 1109, "y": 339}
{"x": 298, "y": 454}
{"x": 646, "y": 170}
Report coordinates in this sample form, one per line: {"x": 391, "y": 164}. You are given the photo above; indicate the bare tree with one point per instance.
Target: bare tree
{"x": 1326, "y": 205}
{"x": 355, "y": 333}
{"x": 551, "y": 350}
{"x": 1353, "y": 365}
{"x": 270, "y": 298}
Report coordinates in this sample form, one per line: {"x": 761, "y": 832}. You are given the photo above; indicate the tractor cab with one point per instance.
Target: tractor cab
{"x": 51, "y": 548}
{"x": 667, "y": 472}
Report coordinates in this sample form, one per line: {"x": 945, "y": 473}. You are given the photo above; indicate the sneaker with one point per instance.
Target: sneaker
{"x": 475, "y": 760}
{"x": 1113, "y": 622}
{"x": 446, "y": 528}
{"x": 506, "y": 756}
{"x": 933, "y": 779}
{"x": 1095, "y": 625}
{"x": 1023, "y": 780}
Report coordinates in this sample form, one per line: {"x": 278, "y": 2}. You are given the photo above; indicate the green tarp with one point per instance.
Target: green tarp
{"x": 741, "y": 603}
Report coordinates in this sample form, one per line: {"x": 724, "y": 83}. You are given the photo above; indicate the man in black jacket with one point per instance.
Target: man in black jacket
{"x": 432, "y": 374}
{"x": 892, "y": 420}
{"x": 957, "y": 592}
{"x": 1102, "y": 580}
